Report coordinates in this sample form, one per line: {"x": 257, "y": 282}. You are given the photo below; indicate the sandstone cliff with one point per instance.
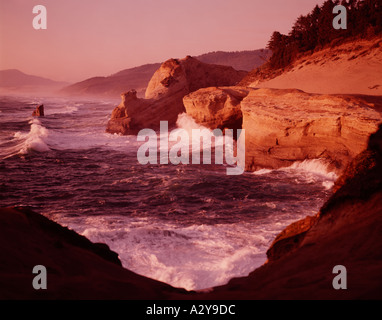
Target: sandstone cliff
{"x": 284, "y": 126}
{"x": 164, "y": 94}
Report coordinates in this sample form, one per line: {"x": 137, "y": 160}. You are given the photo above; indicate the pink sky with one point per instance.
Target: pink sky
{"x": 88, "y": 38}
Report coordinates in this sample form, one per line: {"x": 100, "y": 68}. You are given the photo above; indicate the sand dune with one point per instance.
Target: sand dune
{"x": 351, "y": 68}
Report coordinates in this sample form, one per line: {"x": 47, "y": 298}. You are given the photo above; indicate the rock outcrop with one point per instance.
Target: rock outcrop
{"x": 39, "y": 111}
{"x": 284, "y": 126}
{"x": 76, "y": 267}
{"x": 217, "y": 107}
{"x": 347, "y": 231}
{"x": 287, "y": 125}
{"x": 164, "y": 94}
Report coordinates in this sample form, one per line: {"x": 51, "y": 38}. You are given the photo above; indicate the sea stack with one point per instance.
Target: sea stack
{"x": 39, "y": 112}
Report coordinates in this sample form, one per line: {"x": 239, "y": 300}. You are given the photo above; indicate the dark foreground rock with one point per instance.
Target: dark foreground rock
{"x": 76, "y": 267}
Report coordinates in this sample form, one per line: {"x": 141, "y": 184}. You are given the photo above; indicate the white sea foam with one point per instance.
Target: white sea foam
{"x": 83, "y": 140}
{"x": 215, "y": 144}
{"x": 262, "y": 171}
{"x": 310, "y": 171}
{"x": 34, "y": 140}
{"x": 188, "y": 123}
{"x": 66, "y": 109}
{"x": 317, "y": 166}
{"x": 34, "y": 102}
{"x": 193, "y": 257}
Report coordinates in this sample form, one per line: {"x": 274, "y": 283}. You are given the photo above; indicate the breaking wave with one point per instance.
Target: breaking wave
{"x": 25, "y": 142}
{"x": 314, "y": 169}
{"x": 310, "y": 171}
{"x": 192, "y": 257}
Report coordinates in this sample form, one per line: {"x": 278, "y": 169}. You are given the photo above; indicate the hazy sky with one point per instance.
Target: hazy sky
{"x": 86, "y": 38}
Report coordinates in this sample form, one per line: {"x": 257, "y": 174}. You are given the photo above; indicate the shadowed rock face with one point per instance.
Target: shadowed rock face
{"x": 284, "y": 125}
{"x": 76, "y": 267}
{"x": 164, "y": 95}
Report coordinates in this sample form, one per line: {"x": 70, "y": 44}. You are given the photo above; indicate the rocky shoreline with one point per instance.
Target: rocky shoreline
{"x": 347, "y": 231}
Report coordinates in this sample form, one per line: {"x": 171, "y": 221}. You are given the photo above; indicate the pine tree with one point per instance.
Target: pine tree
{"x": 315, "y": 30}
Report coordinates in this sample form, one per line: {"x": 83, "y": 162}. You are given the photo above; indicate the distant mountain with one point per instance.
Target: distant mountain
{"x": 15, "y": 80}
{"x": 137, "y": 78}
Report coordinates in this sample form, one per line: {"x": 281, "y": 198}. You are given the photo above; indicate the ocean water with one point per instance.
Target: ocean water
{"x": 191, "y": 226}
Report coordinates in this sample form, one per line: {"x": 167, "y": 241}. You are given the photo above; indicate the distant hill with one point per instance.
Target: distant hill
{"x": 134, "y": 78}
{"x": 137, "y": 78}
{"x": 239, "y": 60}
{"x": 15, "y": 80}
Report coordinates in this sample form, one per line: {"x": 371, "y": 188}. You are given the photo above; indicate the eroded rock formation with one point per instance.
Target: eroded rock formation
{"x": 287, "y": 125}
{"x": 217, "y": 107}
{"x": 164, "y": 95}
